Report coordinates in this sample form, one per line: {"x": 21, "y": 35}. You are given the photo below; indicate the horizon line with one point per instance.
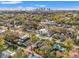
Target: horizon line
{"x": 31, "y": 8}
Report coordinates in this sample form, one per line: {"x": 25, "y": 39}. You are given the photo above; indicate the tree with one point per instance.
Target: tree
{"x": 2, "y": 41}
{"x": 53, "y": 54}
{"x": 34, "y": 38}
{"x": 11, "y": 36}
{"x": 69, "y": 43}
{"x": 19, "y": 54}
{"x": 66, "y": 54}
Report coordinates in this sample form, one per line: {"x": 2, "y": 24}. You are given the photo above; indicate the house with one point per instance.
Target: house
{"x": 45, "y": 34}
{"x": 33, "y": 56}
{"x": 18, "y": 27}
{"x": 7, "y": 54}
{"x": 2, "y": 31}
{"x": 59, "y": 54}
{"x": 62, "y": 38}
{"x": 52, "y": 23}
{"x": 23, "y": 38}
{"x": 27, "y": 43}
{"x": 73, "y": 53}
{"x": 43, "y": 31}
{"x": 51, "y": 32}
{"x": 69, "y": 35}
{"x": 77, "y": 36}
{"x": 38, "y": 44}
{"x": 67, "y": 26}
{"x": 62, "y": 49}
{"x": 43, "y": 47}
{"x": 58, "y": 47}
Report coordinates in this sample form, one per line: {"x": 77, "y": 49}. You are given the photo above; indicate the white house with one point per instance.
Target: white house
{"x": 2, "y": 31}
{"x": 7, "y": 54}
{"x": 43, "y": 31}
{"x": 77, "y": 37}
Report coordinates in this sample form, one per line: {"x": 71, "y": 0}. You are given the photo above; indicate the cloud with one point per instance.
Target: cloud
{"x": 40, "y": 5}
{"x": 10, "y": 2}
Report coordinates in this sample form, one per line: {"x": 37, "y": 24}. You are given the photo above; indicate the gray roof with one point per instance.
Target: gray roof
{"x": 5, "y": 54}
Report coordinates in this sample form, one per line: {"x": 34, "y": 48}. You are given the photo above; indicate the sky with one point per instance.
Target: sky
{"x": 34, "y": 4}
